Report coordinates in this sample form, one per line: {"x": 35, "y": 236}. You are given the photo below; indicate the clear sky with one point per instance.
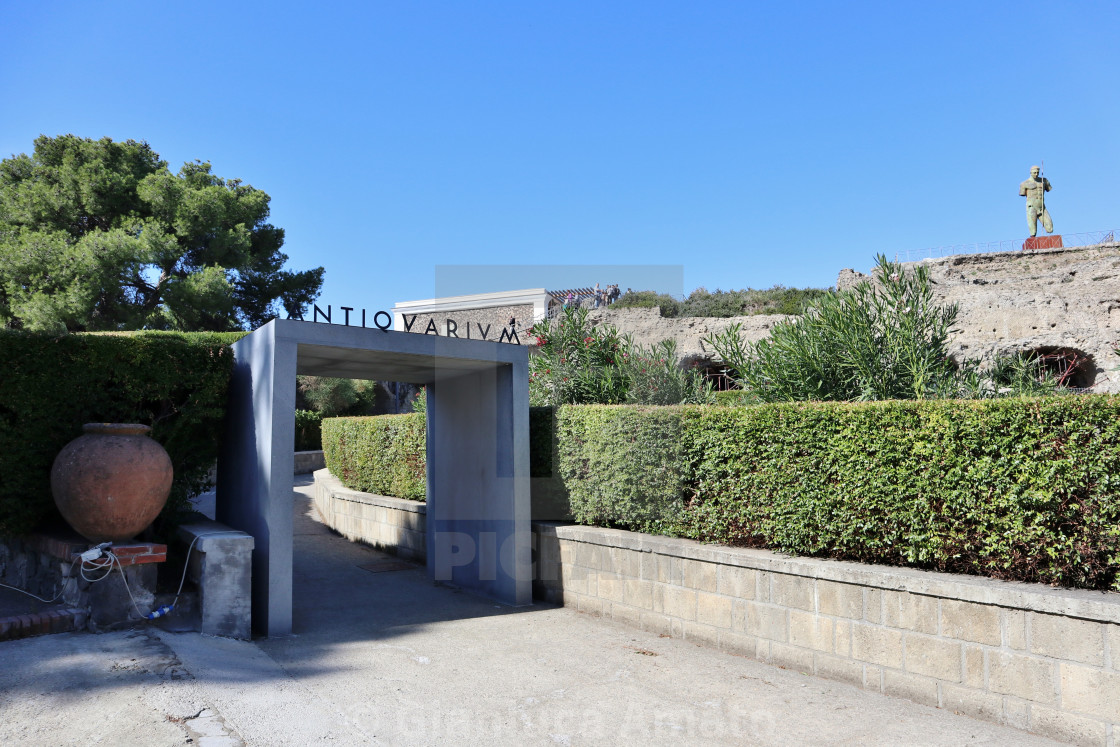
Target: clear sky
{"x": 750, "y": 144}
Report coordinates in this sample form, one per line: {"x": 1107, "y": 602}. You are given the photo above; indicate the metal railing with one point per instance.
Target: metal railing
{"x": 1009, "y": 245}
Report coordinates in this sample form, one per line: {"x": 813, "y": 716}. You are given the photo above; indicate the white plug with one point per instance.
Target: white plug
{"x": 94, "y": 552}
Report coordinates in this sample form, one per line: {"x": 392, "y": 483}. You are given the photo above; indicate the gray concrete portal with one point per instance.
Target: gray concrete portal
{"x": 478, "y": 451}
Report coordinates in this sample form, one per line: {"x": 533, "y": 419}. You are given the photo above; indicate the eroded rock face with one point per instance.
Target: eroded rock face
{"x": 1053, "y": 300}
{"x": 647, "y": 326}
{"x": 1060, "y": 300}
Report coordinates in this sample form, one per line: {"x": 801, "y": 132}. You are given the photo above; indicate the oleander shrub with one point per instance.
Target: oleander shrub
{"x": 50, "y": 385}
{"x": 382, "y": 454}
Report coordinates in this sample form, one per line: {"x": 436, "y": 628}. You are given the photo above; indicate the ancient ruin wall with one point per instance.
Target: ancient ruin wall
{"x": 1065, "y": 299}
{"x": 1010, "y": 302}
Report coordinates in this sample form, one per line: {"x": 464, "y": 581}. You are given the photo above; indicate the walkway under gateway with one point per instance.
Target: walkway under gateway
{"x": 478, "y": 451}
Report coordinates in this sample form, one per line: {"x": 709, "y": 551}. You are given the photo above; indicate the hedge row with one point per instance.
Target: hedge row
{"x": 1020, "y": 489}
{"x": 50, "y": 385}
{"x": 1023, "y": 489}
{"x": 384, "y": 454}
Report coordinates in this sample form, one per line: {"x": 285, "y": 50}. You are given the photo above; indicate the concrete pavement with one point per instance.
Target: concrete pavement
{"x": 383, "y": 656}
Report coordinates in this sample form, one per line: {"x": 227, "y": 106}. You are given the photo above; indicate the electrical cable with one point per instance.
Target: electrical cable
{"x": 106, "y": 559}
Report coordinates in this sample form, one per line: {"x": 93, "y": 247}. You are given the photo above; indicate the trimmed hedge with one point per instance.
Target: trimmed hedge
{"x": 382, "y": 454}
{"x": 389, "y": 447}
{"x": 1019, "y": 489}
{"x": 1023, "y": 489}
{"x": 51, "y": 385}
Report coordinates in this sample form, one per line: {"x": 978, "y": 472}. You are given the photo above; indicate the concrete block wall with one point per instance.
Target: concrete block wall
{"x": 1032, "y": 657}
{"x": 391, "y": 524}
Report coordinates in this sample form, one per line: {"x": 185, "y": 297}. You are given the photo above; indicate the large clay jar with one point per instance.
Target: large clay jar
{"x": 111, "y": 482}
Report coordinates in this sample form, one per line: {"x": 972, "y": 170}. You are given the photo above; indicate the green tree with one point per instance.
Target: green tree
{"x": 100, "y": 235}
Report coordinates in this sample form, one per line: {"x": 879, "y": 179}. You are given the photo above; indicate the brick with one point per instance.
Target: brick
{"x": 843, "y": 638}
{"x": 1092, "y": 691}
{"x": 699, "y": 633}
{"x": 590, "y": 605}
{"x": 649, "y": 566}
{"x": 679, "y": 602}
{"x": 812, "y": 631}
{"x": 970, "y": 622}
{"x": 737, "y": 643}
{"x": 700, "y": 575}
{"x": 1066, "y": 638}
{"x": 1068, "y": 727}
{"x": 1015, "y": 629}
{"x": 1112, "y": 635}
{"x": 611, "y": 587}
{"x": 1022, "y": 676}
{"x": 574, "y": 579}
{"x": 791, "y": 657}
{"x": 974, "y": 666}
{"x": 933, "y": 657}
{"x": 638, "y": 593}
{"x": 669, "y": 570}
{"x": 838, "y": 668}
{"x": 1017, "y": 713}
{"x": 872, "y": 678}
{"x": 713, "y": 609}
{"x": 737, "y": 582}
{"x": 840, "y": 600}
{"x": 762, "y": 586}
{"x": 587, "y": 556}
{"x": 656, "y": 623}
{"x": 626, "y": 614}
{"x": 792, "y": 591}
{"x": 910, "y": 686}
{"x": 767, "y": 622}
{"x": 738, "y": 615}
{"x": 876, "y": 645}
{"x": 910, "y": 611}
{"x": 873, "y": 605}
{"x": 974, "y": 703}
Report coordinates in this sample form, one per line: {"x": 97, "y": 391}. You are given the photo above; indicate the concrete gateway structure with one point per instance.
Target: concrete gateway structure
{"x": 477, "y": 530}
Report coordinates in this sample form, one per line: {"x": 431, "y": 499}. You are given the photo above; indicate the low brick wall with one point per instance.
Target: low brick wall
{"x": 1029, "y": 656}
{"x": 391, "y": 524}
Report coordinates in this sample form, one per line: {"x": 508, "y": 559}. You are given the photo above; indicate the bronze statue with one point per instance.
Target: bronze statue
{"x": 1035, "y": 189}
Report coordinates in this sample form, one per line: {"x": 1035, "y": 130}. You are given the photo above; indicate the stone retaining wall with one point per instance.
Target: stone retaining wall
{"x": 391, "y": 524}
{"x": 1029, "y": 656}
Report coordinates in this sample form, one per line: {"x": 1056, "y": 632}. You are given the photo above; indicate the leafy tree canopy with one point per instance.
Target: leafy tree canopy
{"x": 100, "y": 235}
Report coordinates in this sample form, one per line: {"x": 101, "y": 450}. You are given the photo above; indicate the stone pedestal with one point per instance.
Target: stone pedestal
{"x": 1043, "y": 242}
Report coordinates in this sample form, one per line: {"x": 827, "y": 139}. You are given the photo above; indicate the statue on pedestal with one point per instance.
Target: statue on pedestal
{"x": 1035, "y": 189}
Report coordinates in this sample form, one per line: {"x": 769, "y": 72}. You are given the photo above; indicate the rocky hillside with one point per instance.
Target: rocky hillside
{"x": 1061, "y": 303}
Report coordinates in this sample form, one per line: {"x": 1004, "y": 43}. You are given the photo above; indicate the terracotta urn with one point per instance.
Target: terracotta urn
{"x": 112, "y": 481}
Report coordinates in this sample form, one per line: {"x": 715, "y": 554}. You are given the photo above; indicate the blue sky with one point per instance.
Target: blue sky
{"x": 747, "y": 144}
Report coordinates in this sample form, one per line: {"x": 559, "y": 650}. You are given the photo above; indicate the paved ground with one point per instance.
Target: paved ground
{"x": 389, "y": 658}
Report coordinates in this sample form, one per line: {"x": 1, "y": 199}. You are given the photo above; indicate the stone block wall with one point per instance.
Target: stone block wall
{"x": 1039, "y": 659}
{"x": 391, "y": 524}
{"x": 492, "y": 319}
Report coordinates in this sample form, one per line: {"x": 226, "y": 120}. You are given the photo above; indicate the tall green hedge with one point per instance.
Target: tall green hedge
{"x": 1024, "y": 489}
{"x": 384, "y": 454}
{"x": 51, "y": 385}
{"x": 1021, "y": 489}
